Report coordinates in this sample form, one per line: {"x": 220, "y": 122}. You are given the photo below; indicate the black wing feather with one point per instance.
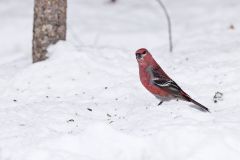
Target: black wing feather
{"x": 164, "y": 82}
{"x": 168, "y": 85}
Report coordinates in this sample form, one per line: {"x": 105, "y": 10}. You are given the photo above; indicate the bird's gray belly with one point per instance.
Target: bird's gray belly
{"x": 163, "y": 98}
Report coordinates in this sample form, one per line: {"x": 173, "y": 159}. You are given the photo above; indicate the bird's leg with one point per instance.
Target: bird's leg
{"x": 160, "y": 103}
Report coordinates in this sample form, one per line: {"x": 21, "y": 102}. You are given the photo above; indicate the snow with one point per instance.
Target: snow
{"x": 86, "y": 101}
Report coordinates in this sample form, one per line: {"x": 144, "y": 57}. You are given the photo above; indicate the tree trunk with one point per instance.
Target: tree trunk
{"x": 49, "y": 26}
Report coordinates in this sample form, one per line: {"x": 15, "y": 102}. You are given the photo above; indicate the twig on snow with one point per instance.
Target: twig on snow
{"x": 169, "y": 24}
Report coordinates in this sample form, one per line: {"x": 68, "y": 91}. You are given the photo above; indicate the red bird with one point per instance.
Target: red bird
{"x": 156, "y": 81}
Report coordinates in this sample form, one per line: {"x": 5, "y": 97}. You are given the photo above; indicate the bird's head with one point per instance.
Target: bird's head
{"x": 143, "y": 56}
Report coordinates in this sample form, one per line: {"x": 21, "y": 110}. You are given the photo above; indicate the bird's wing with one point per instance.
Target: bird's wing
{"x": 167, "y": 85}
{"x": 164, "y": 82}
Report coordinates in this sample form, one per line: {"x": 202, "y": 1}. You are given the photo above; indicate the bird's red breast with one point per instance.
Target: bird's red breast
{"x": 146, "y": 81}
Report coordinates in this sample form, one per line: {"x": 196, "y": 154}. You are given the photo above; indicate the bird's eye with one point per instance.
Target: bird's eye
{"x": 145, "y": 52}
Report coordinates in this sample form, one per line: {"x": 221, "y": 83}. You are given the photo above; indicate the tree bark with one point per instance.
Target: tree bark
{"x": 49, "y": 26}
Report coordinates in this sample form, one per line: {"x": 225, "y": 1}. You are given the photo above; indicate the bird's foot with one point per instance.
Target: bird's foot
{"x": 160, "y": 103}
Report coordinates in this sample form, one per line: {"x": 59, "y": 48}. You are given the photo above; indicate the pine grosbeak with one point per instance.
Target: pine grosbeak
{"x": 156, "y": 81}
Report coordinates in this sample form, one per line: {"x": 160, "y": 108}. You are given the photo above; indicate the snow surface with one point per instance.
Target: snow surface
{"x": 86, "y": 101}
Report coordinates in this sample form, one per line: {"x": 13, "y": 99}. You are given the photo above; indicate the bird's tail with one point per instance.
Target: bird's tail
{"x": 201, "y": 107}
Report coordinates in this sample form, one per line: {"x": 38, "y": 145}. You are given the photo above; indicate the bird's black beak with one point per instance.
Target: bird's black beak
{"x": 138, "y": 55}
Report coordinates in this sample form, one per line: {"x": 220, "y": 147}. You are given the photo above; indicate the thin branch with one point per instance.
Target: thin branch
{"x": 169, "y": 24}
